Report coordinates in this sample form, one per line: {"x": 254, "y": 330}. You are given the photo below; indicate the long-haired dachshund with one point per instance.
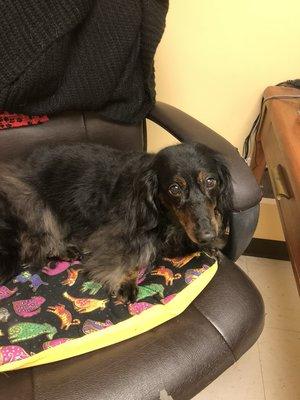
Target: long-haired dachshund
{"x": 121, "y": 209}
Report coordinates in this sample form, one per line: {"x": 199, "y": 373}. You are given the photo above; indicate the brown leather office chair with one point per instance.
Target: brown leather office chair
{"x": 185, "y": 354}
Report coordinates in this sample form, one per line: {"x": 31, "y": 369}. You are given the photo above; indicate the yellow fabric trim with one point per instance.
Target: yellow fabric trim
{"x": 148, "y": 319}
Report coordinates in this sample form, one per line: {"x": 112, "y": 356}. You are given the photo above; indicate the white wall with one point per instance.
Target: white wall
{"x": 216, "y": 58}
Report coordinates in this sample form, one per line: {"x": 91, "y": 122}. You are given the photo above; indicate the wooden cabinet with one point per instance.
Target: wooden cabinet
{"x": 277, "y": 145}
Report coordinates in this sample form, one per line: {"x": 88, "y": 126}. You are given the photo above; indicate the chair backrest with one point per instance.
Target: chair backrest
{"x": 70, "y": 127}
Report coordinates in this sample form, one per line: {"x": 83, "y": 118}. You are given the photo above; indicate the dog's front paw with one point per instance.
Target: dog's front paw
{"x": 128, "y": 292}
{"x": 71, "y": 252}
{"x": 33, "y": 266}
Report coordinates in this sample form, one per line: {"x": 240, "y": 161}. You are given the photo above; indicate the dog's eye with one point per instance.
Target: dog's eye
{"x": 175, "y": 190}
{"x": 210, "y": 182}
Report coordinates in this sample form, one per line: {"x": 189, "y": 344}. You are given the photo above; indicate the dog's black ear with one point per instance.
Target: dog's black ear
{"x": 142, "y": 215}
{"x": 225, "y": 197}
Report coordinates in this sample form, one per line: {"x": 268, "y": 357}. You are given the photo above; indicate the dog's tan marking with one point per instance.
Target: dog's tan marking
{"x": 201, "y": 176}
{"x": 182, "y": 182}
{"x": 186, "y": 220}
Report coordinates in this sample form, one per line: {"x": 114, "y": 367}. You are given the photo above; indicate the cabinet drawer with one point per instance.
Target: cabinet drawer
{"x": 286, "y": 191}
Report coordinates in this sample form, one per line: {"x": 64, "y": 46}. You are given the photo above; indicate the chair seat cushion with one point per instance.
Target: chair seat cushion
{"x": 58, "y": 313}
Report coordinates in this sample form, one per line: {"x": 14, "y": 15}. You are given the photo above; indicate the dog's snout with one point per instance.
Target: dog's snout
{"x": 206, "y": 236}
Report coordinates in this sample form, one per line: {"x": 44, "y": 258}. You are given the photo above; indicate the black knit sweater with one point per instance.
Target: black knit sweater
{"x": 58, "y": 55}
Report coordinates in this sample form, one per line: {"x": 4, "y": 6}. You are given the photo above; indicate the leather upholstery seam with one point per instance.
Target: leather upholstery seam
{"x": 84, "y": 124}
{"x": 219, "y": 333}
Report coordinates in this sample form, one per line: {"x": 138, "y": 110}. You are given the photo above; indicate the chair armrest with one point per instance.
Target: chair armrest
{"x": 246, "y": 192}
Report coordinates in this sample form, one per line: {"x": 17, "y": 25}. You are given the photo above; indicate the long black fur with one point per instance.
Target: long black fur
{"x": 9, "y": 241}
{"x": 113, "y": 206}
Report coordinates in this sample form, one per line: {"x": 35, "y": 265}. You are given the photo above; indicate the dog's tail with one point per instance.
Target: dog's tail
{"x": 9, "y": 242}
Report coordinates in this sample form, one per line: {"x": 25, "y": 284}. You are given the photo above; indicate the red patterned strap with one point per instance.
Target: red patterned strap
{"x": 11, "y": 120}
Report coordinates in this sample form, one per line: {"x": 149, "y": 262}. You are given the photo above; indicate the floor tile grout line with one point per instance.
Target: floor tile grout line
{"x": 262, "y": 261}
{"x": 261, "y": 371}
{"x": 266, "y": 258}
{"x": 282, "y": 329}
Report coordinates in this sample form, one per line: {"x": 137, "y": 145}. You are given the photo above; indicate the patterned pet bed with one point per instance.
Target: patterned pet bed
{"x": 57, "y": 313}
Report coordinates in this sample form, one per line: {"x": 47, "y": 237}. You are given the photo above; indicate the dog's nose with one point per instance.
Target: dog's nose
{"x": 206, "y": 236}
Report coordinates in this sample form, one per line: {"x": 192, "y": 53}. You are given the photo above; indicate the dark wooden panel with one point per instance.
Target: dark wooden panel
{"x": 274, "y": 249}
{"x": 279, "y": 137}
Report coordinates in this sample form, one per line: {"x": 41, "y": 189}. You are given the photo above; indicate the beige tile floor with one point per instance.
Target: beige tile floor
{"x": 270, "y": 370}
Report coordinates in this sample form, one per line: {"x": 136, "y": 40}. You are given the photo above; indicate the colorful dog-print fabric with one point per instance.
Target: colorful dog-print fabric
{"x": 41, "y": 310}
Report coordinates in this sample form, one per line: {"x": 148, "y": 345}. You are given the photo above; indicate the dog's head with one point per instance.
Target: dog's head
{"x": 192, "y": 185}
